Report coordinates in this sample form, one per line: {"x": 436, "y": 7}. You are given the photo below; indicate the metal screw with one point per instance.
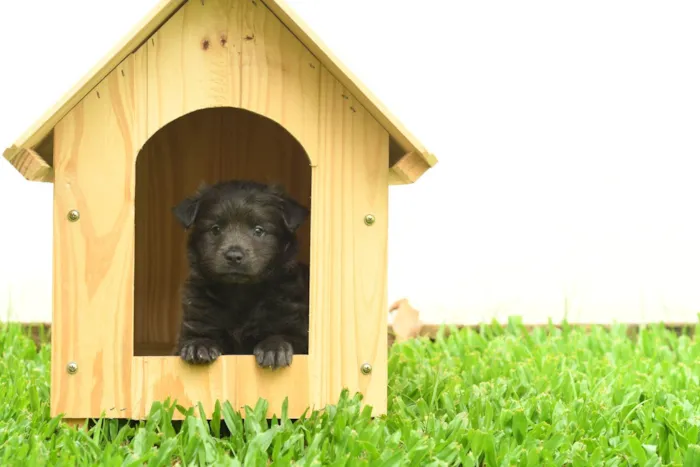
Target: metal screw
{"x": 366, "y": 368}
{"x": 72, "y": 368}
{"x": 73, "y": 215}
{"x": 369, "y": 219}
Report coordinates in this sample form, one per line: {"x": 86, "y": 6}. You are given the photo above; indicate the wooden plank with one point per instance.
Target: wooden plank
{"x": 128, "y": 44}
{"x": 348, "y": 258}
{"x": 352, "y": 84}
{"x": 194, "y": 61}
{"x": 431, "y": 331}
{"x": 408, "y": 169}
{"x": 279, "y": 76}
{"x": 30, "y": 164}
{"x": 233, "y": 378}
{"x": 425, "y": 330}
{"x": 95, "y": 149}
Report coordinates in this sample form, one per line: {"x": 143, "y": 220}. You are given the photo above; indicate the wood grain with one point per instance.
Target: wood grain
{"x": 279, "y": 76}
{"x": 408, "y": 169}
{"x": 349, "y": 80}
{"x": 95, "y": 149}
{"x": 194, "y": 61}
{"x": 348, "y": 258}
{"x": 207, "y": 145}
{"x": 104, "y": 67}
{"x": 30, "y": 164}
{"x": 232, "y": 378}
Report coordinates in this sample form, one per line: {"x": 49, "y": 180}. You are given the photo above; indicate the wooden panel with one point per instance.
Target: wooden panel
{"x": 279, "y": 76}
{"x": 348, "y": 80}
{"x": 236, "y": 379}
{"x": 95, "y": 149}
{"x": 30, "y": 164}
{"x": 194, "y": 61}
{"x": 408, "y": 169}
{"x": 348, "y": 258}
{"x": 126, "y": 45}
{"x": 207, "y": 145}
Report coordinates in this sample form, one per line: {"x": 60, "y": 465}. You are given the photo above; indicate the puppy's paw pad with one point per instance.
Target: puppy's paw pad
{"x": 273, "y": 353}
{"x": 199, "y": 352}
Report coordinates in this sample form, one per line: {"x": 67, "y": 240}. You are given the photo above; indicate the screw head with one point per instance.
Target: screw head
{"x": 72, "y": 368}
{"x": 366, "y": 368}
{"x": 369, "y": 219}
{"x": 73, "y": 215}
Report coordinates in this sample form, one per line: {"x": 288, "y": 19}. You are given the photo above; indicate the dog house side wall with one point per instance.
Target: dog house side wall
{"x": 172, "y": 74}
{"x": 348, "y": 257}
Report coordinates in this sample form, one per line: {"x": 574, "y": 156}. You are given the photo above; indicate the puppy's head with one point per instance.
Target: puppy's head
{"x": 240, "y": 231}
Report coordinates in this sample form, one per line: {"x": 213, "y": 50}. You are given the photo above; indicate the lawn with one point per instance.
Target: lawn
{"x": 494, "y": 396}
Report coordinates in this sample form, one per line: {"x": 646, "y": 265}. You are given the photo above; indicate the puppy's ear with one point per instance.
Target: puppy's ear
{"x": 186, "y": 211}
{"x": 294, "y": 213}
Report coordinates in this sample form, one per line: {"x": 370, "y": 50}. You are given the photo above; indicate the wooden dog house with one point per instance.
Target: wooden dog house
{"x": 206, "y": 90}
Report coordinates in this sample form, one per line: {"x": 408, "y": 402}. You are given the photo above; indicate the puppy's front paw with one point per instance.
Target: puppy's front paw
{"x": 274, "y": 352}
{"x": 199, "y": 352}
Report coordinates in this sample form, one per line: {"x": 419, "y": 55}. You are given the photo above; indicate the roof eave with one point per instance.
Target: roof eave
{"x": 131, "y": 41}
{"x": 400, "y": 134}
{"x": 23, "y": 154}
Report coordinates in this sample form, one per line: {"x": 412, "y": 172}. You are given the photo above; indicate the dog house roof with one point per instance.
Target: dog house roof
{"x": 31, "y": 154}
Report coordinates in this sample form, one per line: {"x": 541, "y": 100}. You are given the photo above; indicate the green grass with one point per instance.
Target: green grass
{"x": 501, "y": 396}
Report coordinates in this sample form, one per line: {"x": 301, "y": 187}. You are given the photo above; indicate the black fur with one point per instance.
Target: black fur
{"x": 245, "y": 292}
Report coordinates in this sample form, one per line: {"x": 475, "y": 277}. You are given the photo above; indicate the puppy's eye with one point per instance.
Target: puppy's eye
{"x": 215, "y": 230}
{"x": 258, "y": 231}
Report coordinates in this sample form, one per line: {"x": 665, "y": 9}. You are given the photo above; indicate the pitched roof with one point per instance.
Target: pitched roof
{"x": 31, "y": 152}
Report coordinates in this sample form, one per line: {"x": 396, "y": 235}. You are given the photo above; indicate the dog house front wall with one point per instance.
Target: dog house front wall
{"x": 200, "y": 59}
{"x": 93, "y": 266}
{"x": 233, "y": 53}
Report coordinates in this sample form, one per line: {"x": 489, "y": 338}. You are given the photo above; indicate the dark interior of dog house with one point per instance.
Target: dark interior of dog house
{"x": 207, "y": 145}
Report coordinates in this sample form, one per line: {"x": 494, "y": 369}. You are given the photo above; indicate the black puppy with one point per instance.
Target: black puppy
{"x": 245, "y": 292}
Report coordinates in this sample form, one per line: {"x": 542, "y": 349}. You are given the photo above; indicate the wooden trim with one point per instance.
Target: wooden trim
{"x": 128, "y": 44}
{"x": 354, "y": 86}
{"x": 30, "y": 164}
{"x": 233, "y": 378}
{"x": 408, "y": 169}
{"x": 427, "y": 330}
{"x": 431, "y": 330}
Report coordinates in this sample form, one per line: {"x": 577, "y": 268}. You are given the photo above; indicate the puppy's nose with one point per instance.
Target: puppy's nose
{"x": 234, "y": 255}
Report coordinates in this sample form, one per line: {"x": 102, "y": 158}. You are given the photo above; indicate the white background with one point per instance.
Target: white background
{"x": 567, "y": 134}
